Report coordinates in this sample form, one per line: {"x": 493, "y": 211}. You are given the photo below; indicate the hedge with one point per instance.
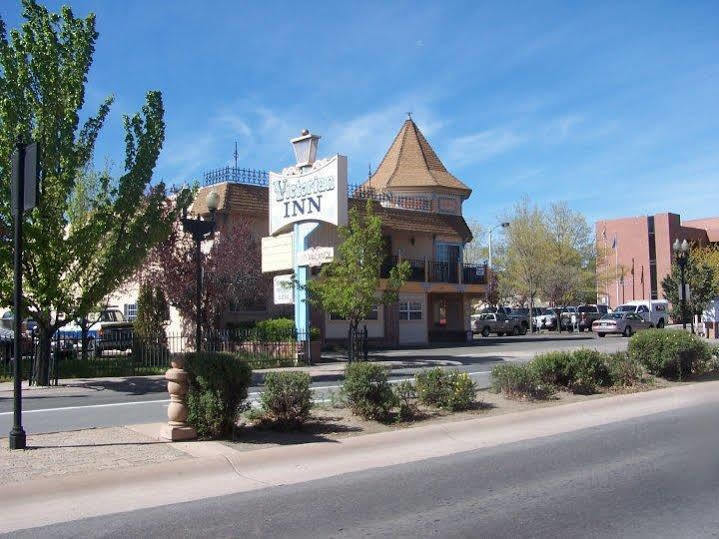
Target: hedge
{"x": 672, "y": 354}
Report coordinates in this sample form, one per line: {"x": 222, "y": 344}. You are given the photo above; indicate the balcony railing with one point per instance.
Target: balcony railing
{"x": 437, "y": 271}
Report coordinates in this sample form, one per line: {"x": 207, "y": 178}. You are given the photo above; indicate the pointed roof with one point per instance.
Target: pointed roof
{"x": 412, "y": 163}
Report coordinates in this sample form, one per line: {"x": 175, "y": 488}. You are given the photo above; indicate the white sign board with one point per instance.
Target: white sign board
{"x": 277, "y": 253}
{"x": 315, "y": 256}
{"x": 318, "y": 193}
{"x": 284, "y": 289}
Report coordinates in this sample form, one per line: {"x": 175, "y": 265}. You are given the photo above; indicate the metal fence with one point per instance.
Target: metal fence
{"x": 121, "y": 353}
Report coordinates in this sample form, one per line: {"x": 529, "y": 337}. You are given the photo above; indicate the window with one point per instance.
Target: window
{"x": 130, "y": 311}
{"x": 373, "y": 315}
{"x": 410, "y": 310}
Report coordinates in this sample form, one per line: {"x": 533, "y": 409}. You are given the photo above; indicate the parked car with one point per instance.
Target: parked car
{"x": 622, "y": 323}
{"x": 588, "y": 313}
{"x": 109, "y": 331}
{"x": 548, "y": 319}
{"x": 497, "y": 323}
{"x": 654, "y": 311}
{"x": 8, "y": 322}
{"x": 517, "y": 314}
{"x": 569, "y": 318}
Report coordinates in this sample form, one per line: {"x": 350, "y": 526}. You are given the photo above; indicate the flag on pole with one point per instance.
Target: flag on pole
{"x": 604, "y": 233}
{"x": 614, "y": 243}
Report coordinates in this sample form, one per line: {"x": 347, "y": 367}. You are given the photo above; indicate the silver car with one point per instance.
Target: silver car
{"x": 621, "y": 323}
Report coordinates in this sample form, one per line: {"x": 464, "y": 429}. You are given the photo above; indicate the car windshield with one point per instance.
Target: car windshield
{"x": 625, "y": 309}
{"x": 524, "y": 312}
{"x": 613, "y": 316}
{"x": 587, "y": 309}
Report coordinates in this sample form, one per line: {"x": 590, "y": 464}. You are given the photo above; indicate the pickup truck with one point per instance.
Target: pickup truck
{"x": 108, "y": 331}
{"x": 498, "y": 323}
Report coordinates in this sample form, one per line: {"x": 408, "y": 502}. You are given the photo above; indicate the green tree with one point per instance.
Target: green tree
{"x": 69, "y": 267}
{"x": 702, "y": 281}
{"x": 475, "y": 252}
{"x": 525, "y": 258}
{"x": 347, "y": 287}
{"x": 152, "y": 314}
{"x": 569, "y": 274}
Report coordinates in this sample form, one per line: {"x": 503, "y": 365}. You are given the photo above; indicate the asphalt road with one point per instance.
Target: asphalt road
{"x": 655, "y": 476}
{"x": 108, "y": 403}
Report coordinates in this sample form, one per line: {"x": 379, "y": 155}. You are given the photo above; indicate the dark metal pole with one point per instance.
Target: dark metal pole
{"x": 17, "y": 437}
{"x": 198, "y": 254}
{"x": 682, "y": 263}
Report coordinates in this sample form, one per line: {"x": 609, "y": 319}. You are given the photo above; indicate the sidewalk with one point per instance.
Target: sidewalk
{"x": 215, "y": 469}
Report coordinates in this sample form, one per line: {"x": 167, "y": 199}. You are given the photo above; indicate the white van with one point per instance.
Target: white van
{"x": 654, "y": 311}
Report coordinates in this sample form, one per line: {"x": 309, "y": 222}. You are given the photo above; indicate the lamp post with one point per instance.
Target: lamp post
{"x": 500, "y": 225}
{"x": 200, "y": 230}
{"x": 681, "y": 251}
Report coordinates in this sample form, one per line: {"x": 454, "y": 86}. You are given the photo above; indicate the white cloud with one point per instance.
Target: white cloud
{"x": 482, "y": 146}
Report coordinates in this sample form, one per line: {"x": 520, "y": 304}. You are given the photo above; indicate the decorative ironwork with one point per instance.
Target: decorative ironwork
{"x": 390, "y": 200}
{"x": 237, "y": 175}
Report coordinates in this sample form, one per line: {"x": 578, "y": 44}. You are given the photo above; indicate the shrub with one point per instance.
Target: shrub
{"x": 367, "y": 391}
{"x": 275, "y": 330}
{"x": 552, "y": 367}
{"x": 672, "y": 354}
{"x": 625, "y": 371}
{"x": 405, "y": 394}
{"x": 218, "y": 386}
{"x": 520, "y": 380}
{"x": 450, "y": 390}
{"x": 287, "y": 398}
{"x": 432, "y": 386}
{"x": 586, "y": 370}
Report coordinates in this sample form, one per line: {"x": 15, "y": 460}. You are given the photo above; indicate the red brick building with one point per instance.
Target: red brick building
{"x": 639, "y": 253}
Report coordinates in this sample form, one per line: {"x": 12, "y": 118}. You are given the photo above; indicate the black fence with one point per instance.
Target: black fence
{"x": 121, "y": 353}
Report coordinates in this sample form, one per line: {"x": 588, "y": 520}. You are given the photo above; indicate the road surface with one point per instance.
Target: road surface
{"x": 135, "y": 400}
{"x": 653, "y": 476}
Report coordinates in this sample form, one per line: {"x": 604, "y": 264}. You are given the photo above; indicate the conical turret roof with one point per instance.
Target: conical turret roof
{"x": 411, "y": 163}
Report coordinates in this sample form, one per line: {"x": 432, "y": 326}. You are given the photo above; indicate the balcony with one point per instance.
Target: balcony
{"x": 434, "y": 271}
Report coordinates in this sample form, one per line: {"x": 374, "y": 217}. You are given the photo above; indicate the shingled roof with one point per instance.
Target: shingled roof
{"x": 253, "y": 200}
{"x": 411, "y": 163}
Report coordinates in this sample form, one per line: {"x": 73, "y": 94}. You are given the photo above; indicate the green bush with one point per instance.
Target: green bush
{"x": 367, "y": 391}
{"x": 450, "y": 390}
{"x": 432, "y": 386}
{"x": 520, "y": 380}
{"x": 580, "y": 371}
{"x": 218, "y": 386}
{"x": 552, "y": 367}
{"x": 275, "y": 330}
{"x": 624, "y": 370}
{"x": 287, "y": 398}
{"x": 586, "y": 370}
{"x": 405, "y": 393}
{"x": 672, "y": 354}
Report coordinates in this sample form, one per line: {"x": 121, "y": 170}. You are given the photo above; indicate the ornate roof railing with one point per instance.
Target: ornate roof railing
{"x": 357, "y": 191}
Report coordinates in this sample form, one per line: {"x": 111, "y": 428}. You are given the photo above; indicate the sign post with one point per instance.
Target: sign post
{"x": 301, "y": 197}
{"x": 24, "y": 197}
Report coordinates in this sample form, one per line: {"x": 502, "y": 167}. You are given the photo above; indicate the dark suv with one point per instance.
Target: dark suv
{"x": 587, "y": 314}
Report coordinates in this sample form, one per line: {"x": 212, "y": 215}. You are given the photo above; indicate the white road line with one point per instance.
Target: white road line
{"x": 253, "y": 394}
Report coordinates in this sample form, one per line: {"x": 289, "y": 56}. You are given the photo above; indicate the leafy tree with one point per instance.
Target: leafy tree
{"x": 232, "y": 273}
{"x": 475, "y": 252}
{"x": 702, "y": 280}
{"x": 525, "y": 259}
{"x": 70, "y": 267}
{"x": 569, "y": 270}
{"x": 152, "y": 314}
{"x": 347, "y": 287}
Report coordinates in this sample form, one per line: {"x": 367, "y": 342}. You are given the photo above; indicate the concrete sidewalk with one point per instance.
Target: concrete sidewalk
{"x": 218, "y": 469}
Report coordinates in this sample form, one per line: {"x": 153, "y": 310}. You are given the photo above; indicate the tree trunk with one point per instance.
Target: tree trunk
{"x": 42, "y": 358}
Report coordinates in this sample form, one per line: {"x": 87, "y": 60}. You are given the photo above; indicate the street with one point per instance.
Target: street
{"x": 652, "y": 476}
{"x": 115, "y": 402}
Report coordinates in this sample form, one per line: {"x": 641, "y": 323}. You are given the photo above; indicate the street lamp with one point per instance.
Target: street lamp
{"x": 500, "y": 225}
{"x": 681, "y": 251}
{"x": 200, "y": 230}
{"x": 305, "y": 147}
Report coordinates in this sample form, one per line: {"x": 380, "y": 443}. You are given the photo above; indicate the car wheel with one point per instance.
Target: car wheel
{"x": 485, "y": 332}
{"x": 517, "y": 330}
{"x": 660, "y": 324}
{"x": 601, "y": 334}
{"x": 628, "y": 331}
{"x": 500, "y": 334}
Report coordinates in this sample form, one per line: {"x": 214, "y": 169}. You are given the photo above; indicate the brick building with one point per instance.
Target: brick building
{"x": 639, "y": 252}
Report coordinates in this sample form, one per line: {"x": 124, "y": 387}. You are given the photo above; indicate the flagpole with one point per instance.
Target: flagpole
{"x": 616, "y": 265}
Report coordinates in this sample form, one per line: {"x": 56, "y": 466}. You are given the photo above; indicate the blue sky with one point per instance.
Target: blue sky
{"x": 610, "y": 106}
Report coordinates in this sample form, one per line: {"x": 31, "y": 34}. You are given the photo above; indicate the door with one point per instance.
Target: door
{"x": 448, "y": 255}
